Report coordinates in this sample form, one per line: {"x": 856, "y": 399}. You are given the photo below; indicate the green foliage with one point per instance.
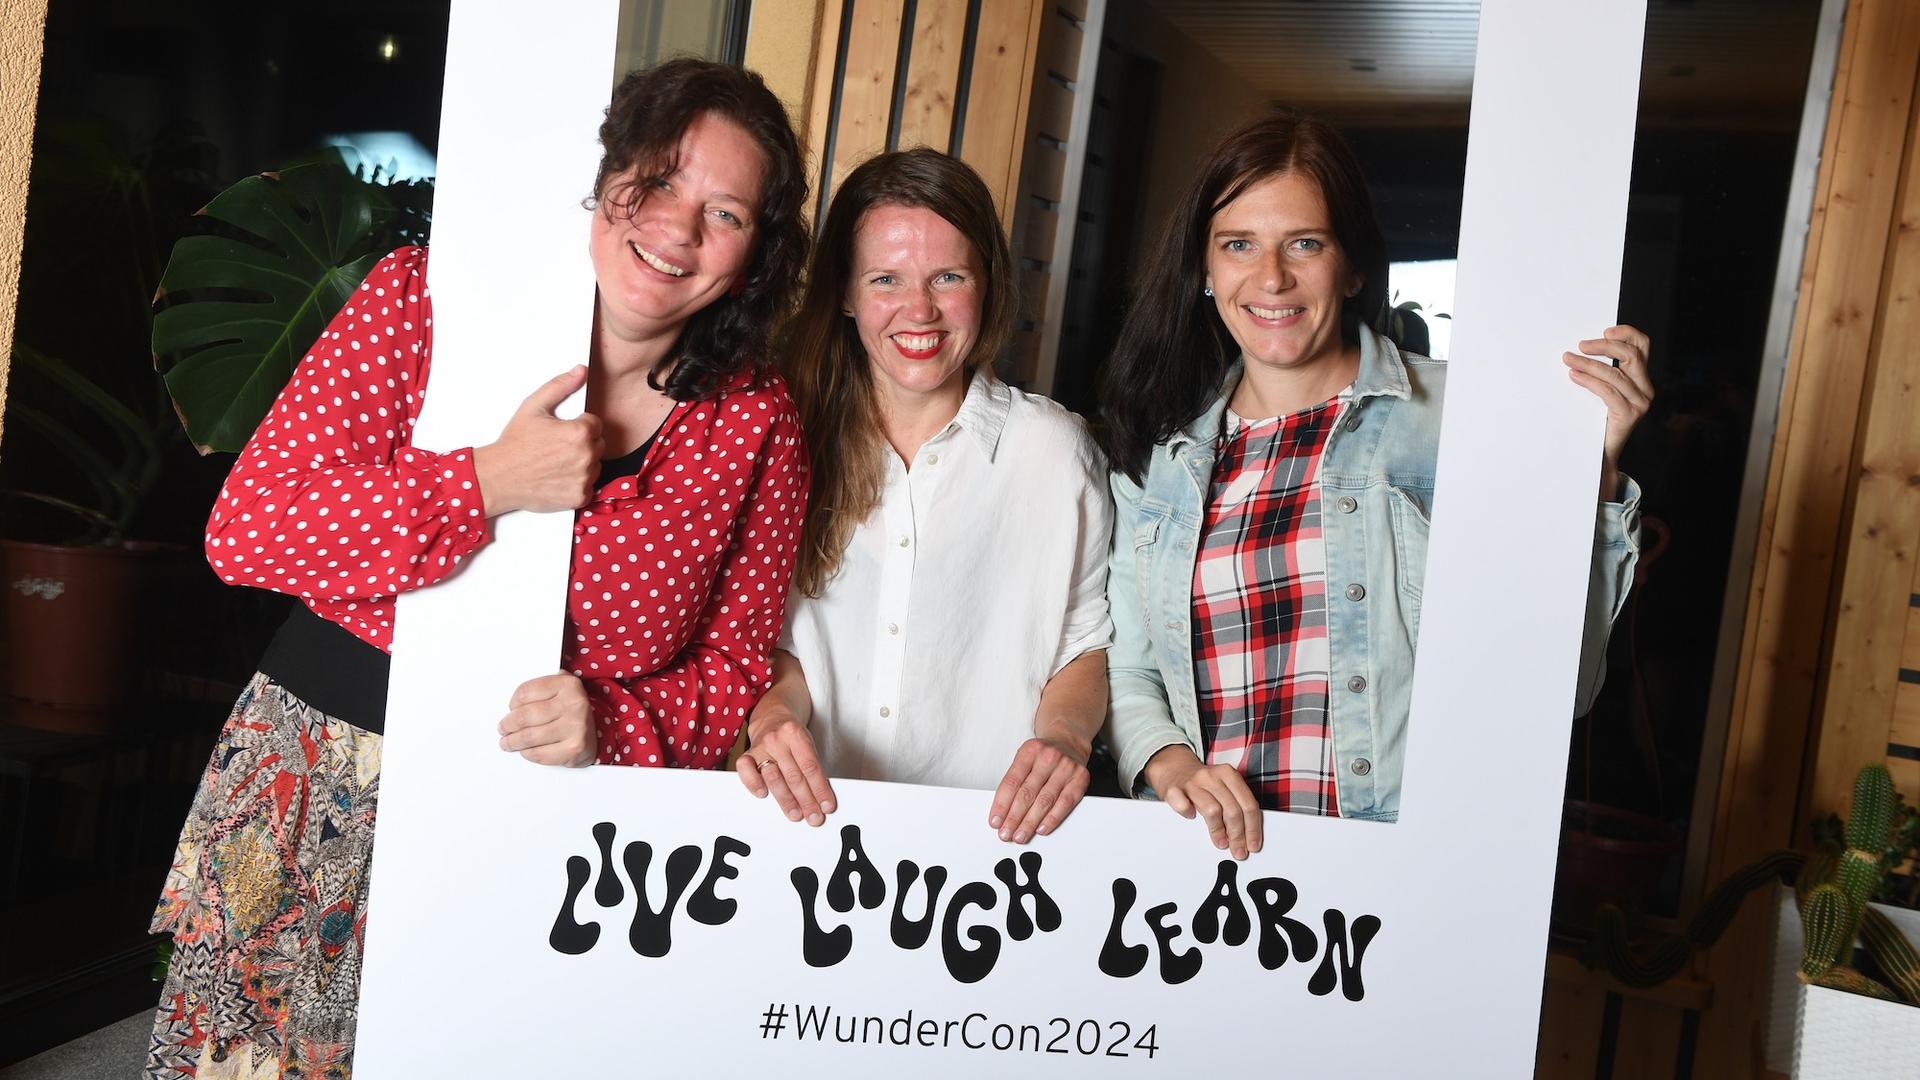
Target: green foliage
{"x": 1825, "y": 917}
{"x": 1834, "y": 907}
{"x": 117, "y": 476}
{"x": 1650, "y": 964}
{"x": 241, "y": 302}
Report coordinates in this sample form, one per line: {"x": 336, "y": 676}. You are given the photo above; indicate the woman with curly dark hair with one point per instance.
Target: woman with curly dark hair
{"x": 686, "y": 477}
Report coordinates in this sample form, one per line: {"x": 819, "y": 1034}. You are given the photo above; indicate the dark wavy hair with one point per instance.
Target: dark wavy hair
{"x": 651, "y": 111}
{"x": 1174, "y": 351}
{"x": 826, "y": 366}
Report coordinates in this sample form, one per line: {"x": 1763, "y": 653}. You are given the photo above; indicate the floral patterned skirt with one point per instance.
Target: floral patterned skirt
{"x": 266, "y": 900}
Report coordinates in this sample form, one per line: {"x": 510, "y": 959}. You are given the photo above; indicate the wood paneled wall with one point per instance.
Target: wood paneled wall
{"x": 1814, "y": 630}
{"x": 1042, "y": 195}
{"x": 955, "y": 75}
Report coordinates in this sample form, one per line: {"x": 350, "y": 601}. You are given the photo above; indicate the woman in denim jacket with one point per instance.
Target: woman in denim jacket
{"x": 1273, "y": 458}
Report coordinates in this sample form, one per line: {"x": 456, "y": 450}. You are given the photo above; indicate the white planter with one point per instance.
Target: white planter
{"x": 1842, "y": 1036}
{"x": 1785, "y": 991}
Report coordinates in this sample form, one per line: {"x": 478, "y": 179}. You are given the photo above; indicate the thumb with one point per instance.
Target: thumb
{"x": 548, "y": 396}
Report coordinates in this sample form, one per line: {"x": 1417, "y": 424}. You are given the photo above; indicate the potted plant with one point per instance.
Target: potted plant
{"x": 87, "y": 434}
{"x": 1858, "y": 980}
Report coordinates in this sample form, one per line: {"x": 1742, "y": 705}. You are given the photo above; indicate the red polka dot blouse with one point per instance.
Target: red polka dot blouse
{"x": 679, "y": 579}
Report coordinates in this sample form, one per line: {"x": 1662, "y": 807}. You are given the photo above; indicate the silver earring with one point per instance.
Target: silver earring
{"x": 1208, "y": 290}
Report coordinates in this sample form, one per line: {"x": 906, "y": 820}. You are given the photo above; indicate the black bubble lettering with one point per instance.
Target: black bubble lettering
{"x": 652, "y": 931}
{"x": 568, "y": 936}
{"x": 1117, "y": 958}
{"x": 964, "y": 964}
{"x": 607, "y": 892}
{"x": 820, "y": 948}
{"x": 1175, "y": 967}
{"x": 1045, "y": 912}
{"x": 853, "y": 860}
{"x": 1224, "y": 900}
{"x": 1272, "y": 898}
{"x": 704, "y": 905}
{"x": 913, "y": 933}
{"x": 1348, "y": 979}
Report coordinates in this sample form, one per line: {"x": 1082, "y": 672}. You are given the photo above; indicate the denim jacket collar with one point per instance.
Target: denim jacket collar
{"x": 1382, "y": 373}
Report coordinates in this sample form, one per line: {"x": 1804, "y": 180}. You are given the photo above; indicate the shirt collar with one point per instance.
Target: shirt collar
{"x": 984, "y": 412}
{"x": 1382, "y": 374}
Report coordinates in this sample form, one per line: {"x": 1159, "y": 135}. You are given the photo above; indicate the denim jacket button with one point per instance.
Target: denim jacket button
{"x": 1357, "y": 684}
{"x": 1356, "y": 591}
{"x": 1361, "y": 766}
{"x": 1348, "y": 504}
{"x": 1353, "y": 422}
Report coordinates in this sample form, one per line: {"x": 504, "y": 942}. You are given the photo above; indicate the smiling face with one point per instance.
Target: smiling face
{"x": 688, "y": 238}
{"x": 915, "y": 297}
{"x": 1278, "y": 274}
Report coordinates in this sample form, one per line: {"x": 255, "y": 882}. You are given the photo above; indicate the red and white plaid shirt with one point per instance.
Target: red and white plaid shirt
{"x": 1260, "y": 611}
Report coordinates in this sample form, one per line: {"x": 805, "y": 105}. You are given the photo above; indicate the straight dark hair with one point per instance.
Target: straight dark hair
{"x": 650, "y": 112}
{"x": 1174, "y": 351}
{"x": 825, "y": 364}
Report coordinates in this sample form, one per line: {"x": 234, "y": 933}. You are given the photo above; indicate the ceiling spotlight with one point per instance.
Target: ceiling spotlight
{"x": 389, "y": 48}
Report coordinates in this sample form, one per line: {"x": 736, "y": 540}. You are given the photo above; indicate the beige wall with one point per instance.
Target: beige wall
{"x": 23, "y": 26}
{"x": 1199, "y": 102}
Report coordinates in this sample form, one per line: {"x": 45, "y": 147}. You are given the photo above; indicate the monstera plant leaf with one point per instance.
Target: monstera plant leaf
{"x": 240, "y": 304}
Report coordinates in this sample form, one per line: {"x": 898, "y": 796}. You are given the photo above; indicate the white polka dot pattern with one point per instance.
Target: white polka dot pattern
{"x": 679, "y": 578}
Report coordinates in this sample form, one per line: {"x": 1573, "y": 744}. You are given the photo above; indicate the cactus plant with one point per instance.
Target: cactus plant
{"x": 1835, "y": 891}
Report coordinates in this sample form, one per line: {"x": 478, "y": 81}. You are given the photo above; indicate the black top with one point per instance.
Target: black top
{"x": 323, "y": 664}
{"x": 626, "y": 464}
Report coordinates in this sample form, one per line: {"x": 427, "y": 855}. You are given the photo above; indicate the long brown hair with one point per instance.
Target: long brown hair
{"x": 825, "y": 365}
{"x": 1173, "y": 350}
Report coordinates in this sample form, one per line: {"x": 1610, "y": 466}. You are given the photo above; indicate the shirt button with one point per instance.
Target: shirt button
{"x": 933, "y": 459}
{"x": 1356, "y": 591}
{"x": 1348, "y": 504}
{"x": 904, "y": 541}
{"x": 1357, "y": 684}
{"x": 1361, "y": 766}
{"x": 893, "y": 628}
{"x": 884, "y": 711}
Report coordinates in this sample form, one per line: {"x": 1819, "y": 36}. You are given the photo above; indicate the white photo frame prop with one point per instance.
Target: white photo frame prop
{"x": 501, "y": 889}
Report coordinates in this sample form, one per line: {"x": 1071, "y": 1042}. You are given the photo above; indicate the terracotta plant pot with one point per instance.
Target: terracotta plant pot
{"x": 74, "y": 626}
{"x": 1609, "y": 856}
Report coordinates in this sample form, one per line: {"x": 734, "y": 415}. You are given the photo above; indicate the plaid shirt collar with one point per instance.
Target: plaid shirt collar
{"x": 1382, "y": 374}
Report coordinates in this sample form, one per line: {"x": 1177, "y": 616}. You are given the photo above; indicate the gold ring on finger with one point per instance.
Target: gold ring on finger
{"x": 767, "y": 762}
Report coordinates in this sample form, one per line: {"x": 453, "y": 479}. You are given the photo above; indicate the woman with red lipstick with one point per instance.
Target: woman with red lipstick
{"x": 1274, "y": 458}
{"x": 686, "y": 478}
{"x": 949, "y": 619}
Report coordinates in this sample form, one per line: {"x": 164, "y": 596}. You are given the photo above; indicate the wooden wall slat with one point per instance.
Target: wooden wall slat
{"x": 1052, "y": 110}
{"x": 1774, "y": 689}
{"x": 1906, "y": 776}
{"x": 1570, "y": 1021}
{"x": 1060, "y": 49}
{"x": 1045, "y": 171}
{"x": 866, "y": 95}
{"x": 1036, "y": 236}
{"x": 1023, "y": 355}
{"x": 933, "y": 74}
{"x": 1649, "y": 1040}
{"x": 1876, "y": 577}
{"x": 1910, "y": 652}
{"x": 1033, "y": 297}
{"x": 1905, "y": 729}
{"x": 820, "y": 104}
{"x": 1075, "y": 8}
{"x": 996, "y": 121}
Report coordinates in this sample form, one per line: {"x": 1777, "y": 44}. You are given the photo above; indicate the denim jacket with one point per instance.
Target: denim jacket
{"x": 1376, "y": 494}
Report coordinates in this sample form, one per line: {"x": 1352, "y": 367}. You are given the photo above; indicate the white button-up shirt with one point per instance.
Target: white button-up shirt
{"x": 979, "y": 576}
